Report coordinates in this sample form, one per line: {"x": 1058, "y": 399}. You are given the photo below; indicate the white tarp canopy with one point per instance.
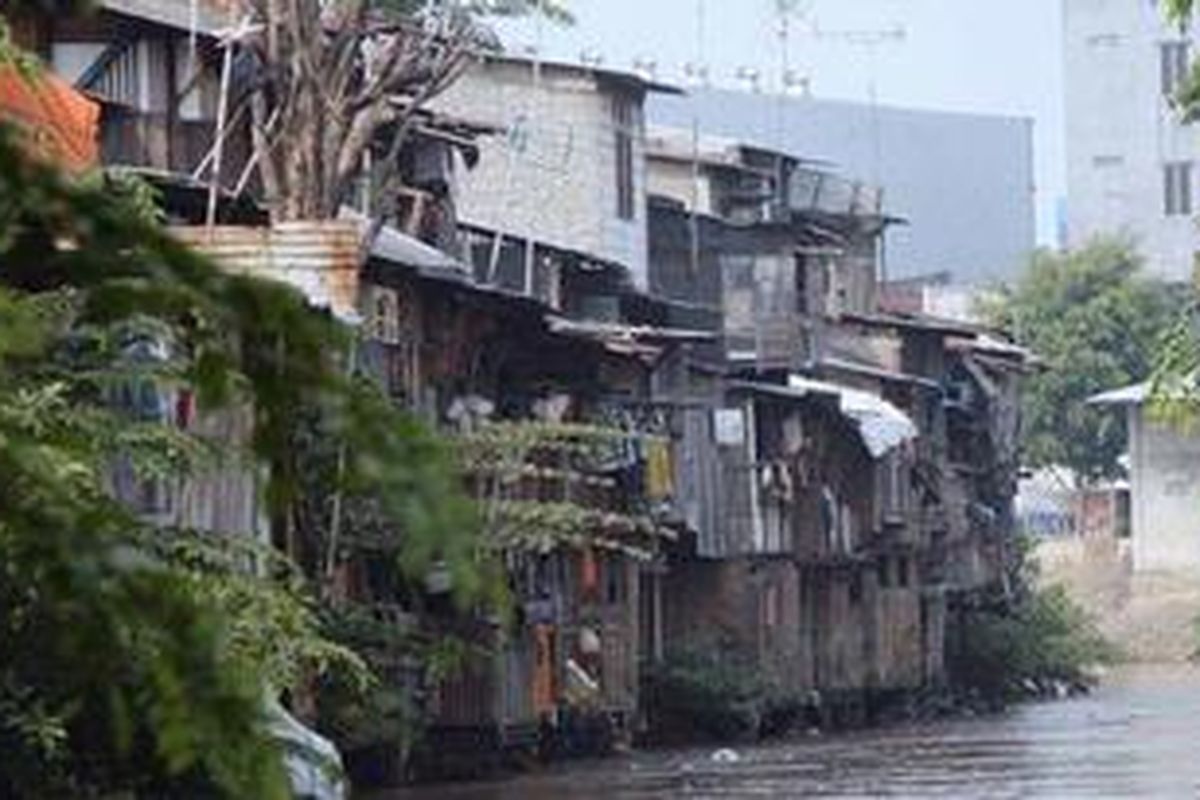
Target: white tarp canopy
{"x": 1125, "y": 396}
{"x": 882, "y": 426}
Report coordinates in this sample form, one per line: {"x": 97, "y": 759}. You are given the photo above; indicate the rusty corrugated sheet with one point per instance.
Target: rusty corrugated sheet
{"x": 320, "y": 258}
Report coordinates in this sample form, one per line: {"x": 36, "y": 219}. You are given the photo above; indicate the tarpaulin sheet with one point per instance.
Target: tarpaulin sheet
{"x": 881, "y": 425}
{"x": 59, "y": 123}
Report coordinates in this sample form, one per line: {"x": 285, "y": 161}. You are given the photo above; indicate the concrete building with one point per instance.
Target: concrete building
{"x": 978, "y": 227}
{"x": 571, "y": 170}
{"x": 1130, "y": 160}
{"x": 1164, "y": 472}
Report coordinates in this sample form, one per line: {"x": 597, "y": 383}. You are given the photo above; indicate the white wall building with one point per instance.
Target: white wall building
{"x": 571, "y": 169}
{"x": 1131, "y": 162}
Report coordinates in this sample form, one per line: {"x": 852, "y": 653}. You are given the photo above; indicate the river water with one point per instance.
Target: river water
{"x": 1138, "y": 735}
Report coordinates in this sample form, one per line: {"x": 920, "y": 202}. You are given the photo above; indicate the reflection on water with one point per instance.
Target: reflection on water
{"x": 1137, "y": 736}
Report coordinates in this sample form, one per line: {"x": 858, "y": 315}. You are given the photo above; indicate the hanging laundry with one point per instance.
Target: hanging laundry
{"x": 659, "y": 477}
{"x": 544, "y": 660}
{"x": 589, "y": 579}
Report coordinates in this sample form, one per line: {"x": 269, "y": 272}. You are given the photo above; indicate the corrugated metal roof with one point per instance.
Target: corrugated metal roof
{"x": 786, "y": 392}
{"x": 882, "y": 426}
{"x": 319, "y": 258}
{"x": 879, "y": 372}
{"x": 620, "y": 331}
{"x": 632, "y": 79}
{"x": 204, "y": 16}
{"x": 920, "y": 322}
{"x": 400, "y": 248}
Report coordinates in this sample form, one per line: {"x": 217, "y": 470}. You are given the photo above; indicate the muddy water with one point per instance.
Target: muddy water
{"x": 1137, "y": 736}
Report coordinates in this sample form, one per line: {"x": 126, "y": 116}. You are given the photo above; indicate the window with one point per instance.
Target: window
{"x": 883, "y": 574}
{"x": 902, "y": 572}
{"x": 772, "y": 607}
{"x": 623, "y": 126}
{"x": 385, "y": 315}
{"x": 1173, "y": 66}
{"x": 1177, "y": 188}
{"x": 614, "y": 580}
{"x": 1105, "y": 161}
{"x": 801, "y": 268}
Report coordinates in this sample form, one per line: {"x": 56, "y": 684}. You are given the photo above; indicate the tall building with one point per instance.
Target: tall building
{"x": 963, "y": 183}
{"x": 1131, "y": 160}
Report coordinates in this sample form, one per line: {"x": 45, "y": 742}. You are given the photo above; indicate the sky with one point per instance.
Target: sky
{"x": 981, "y": 56}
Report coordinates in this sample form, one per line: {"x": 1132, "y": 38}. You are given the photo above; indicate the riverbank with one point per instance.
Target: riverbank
{"x": 1133, "y": 737}
{"x": 855, "y": 718}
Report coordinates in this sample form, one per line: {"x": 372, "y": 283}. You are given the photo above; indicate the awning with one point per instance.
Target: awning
{"x": 622, "y": 331}
{"x": 882, "y": 426}
{"x": 1125, "y": 396}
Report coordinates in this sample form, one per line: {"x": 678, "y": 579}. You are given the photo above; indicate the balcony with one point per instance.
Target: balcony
{"x": 150, "y": 140}
{"x": 814, "y": 191}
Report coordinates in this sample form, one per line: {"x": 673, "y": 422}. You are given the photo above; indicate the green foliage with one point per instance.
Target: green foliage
{"x": 1026, "y": 642}
{"x": 1175, "y": 393}
{"x": 564, "y": 461}
{"x": 136, "y": 659}
{"x": 272, "y": 623}
{"x": 704, "y": 693}
{"x": 112, "y": 675}
{"x": 1009, "y": 652}
{"x": 1097, "y": 324}
{"x": 1178, "y": 11}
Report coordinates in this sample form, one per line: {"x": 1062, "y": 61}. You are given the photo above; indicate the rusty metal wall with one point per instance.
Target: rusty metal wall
{"x": 320, "y": 258}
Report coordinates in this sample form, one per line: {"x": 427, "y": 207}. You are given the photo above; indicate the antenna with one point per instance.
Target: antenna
{"x": 871, "y": 40}
{"x": 751, "y": 77}
{"x": 789, "y": 79}
{"x": 785, "y": 10}
{"x": 645, "y": 67}
{"x": 697, "y": 75}
{"x": 590, "y": 57}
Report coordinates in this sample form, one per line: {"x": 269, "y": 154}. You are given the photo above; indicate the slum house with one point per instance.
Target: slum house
{"x": 157, "y": 84}
{"x": 960, "y": 384}
{"x": 781, "y": 252}
{"x": 942, "y": 535}
{"x": 481, "y": 361}
{"x": 435, "y": 343}
{"x": 73, "y": 125}
{"x": 794, "y": 246}
{"x": 903, "y": 359}
{"x": 575, "y": 516}
{"x": 484, "y": 364}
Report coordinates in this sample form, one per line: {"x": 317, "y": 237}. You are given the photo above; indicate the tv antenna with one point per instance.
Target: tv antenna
{"x": 871, "y": 41}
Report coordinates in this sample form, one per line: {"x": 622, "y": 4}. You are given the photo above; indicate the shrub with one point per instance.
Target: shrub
{"x": 1042, "y": 640}
{"x": 703, "y": 693}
